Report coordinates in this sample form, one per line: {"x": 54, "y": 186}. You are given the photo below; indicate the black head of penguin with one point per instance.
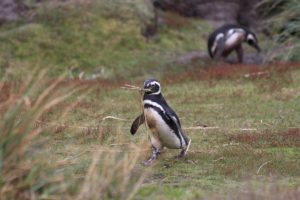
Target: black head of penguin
{"x": 251, "y": 39}
{"x": 152, "y": 87}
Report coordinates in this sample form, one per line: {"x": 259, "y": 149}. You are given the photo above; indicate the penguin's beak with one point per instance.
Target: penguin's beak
{"x": 147, "y": 89}
{"x": 255, "y": 45}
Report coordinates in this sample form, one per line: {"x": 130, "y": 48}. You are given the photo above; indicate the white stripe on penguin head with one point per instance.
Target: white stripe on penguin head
{"x": 152, "y": 83}
{"x": 250, "y": 37}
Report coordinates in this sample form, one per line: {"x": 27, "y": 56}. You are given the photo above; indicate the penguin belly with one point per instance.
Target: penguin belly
{"x": 233, "y": 41}
{"x": 160, "y": 131}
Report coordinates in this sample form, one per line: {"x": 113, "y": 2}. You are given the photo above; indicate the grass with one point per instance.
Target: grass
{"x": 59, "y": 146}
{"x": 282, "y": 22}
{"x": 22, "y": 103}
{"x": 93, "y": 40}
{"x": 256, "y": 140}
{"x": 218, "y": 161}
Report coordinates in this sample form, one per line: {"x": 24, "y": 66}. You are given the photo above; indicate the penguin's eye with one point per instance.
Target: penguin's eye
{"x": 152, "y": 84}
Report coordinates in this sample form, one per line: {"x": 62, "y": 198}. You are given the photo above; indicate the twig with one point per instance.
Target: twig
{"x": 188, "y": 146}
{"x": 133, "y": 87}
{"x": 256, "y": 74}
{"x": 112, "y": 117}
{"x": 221, "y": 158}
{"x": 262, "y": 166}
{"x": 60, "y": 125}
{"x": 201, "y": 127}
{"x": 121, "y": 144}
{"x": 216, "y": 127}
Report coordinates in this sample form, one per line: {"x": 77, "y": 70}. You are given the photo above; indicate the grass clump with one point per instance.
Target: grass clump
{"x": 282, "y": 20}
{"x": 113, "y": 175}
{"x": 39, "y": 151}
{"x": 22, "y": 104}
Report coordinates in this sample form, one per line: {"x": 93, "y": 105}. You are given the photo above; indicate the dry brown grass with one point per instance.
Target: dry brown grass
{"x": 113, "y": 174}
{"x": 22, "y": 104}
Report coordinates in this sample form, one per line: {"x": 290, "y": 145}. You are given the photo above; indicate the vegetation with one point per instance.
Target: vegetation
{"x": 67, "y": 136}
{"x": 93, "y": 39}
{"x": 282, "y": 21}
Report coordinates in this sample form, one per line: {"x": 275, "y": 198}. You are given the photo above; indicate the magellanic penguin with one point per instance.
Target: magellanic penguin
{"x": 230, "y": 37}
{"x": 164, "y": 124}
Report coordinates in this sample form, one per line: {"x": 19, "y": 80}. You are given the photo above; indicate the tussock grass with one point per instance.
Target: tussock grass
{"x": 29, "y": 164}
{"x": 282, "y": 22}
{"x": 113, "y": 174}
{"x": 22, "y": 104}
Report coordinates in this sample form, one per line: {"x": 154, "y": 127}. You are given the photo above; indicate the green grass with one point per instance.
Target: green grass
{"x": 84, "y": 38}
{"x": 252, "y": 151}
{"x": 222, "y": 161}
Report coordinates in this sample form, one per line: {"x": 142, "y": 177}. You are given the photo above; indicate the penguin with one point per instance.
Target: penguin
{"x": 163, "y": 122}
{"x": 228, "y": 38}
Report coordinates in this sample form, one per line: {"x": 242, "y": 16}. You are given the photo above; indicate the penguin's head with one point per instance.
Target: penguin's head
{"x": 152, "y": 87}
{"x": 252, "y": 40}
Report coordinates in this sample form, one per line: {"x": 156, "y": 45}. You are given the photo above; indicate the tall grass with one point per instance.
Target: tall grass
{"x": 113, "y": 174}
{"x": 282, "y": 19}
{"x": 22, "y": 104}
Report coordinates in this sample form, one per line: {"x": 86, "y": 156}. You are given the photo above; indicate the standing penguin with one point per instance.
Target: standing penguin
{"x": 162, "y": 121}
{"x": 230, "y": 37}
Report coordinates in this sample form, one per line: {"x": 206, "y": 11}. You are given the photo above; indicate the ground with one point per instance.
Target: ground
{"x": 250, "y": 147}
{"x": 65, "y": 135}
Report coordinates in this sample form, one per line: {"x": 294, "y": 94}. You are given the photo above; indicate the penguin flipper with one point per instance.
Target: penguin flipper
{"x": 220, "y": 48}
{"x": 136, "y": 123}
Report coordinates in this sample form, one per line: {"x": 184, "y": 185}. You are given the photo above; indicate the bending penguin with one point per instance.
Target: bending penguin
{"x": 162, "y": 121}
{"x": 228, "y": 38}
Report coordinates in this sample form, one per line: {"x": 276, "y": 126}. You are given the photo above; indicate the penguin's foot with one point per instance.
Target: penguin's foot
{"x": 182, "y": 153}
{"x": 148, "y": 162}
{"x": 153, "y": 157}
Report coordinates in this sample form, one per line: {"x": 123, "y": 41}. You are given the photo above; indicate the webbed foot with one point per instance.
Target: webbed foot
{"x": 154, "y": 156}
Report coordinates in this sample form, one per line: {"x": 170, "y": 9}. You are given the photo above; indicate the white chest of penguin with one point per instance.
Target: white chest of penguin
{"x": 160, "y": 134}
{"x": 233, "y": 40}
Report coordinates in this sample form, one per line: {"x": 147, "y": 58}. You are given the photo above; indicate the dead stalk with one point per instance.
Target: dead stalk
{"x": 265, "y": 163}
